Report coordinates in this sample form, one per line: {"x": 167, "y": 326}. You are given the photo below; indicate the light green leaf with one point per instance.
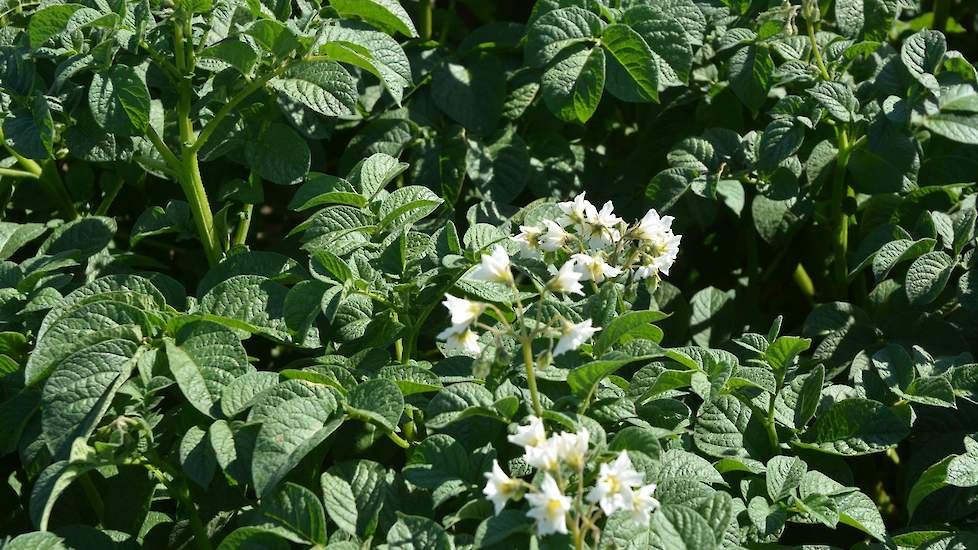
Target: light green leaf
{"x": 720, "y": 427}
{"x": 385, "y": 14}
{"x": 558, "y": 29}
{"x": 927, "y": 277}
{"x": 49, "y": 21}
{"x": 407, "y": 205}
{"x": 681, "y": 528}
{"x": 418, "y": 533}
{"x": 80, "y": 390}
{"x": 856, "y": 427}
{"x": 784, "y": 475}
{"x": 751, "y": 71}
{"x": 323, "y": 86}
{"x": 295, "y": 417}
{"x": 297, "y": 510}
{"x": 837, "y": 99}
{"x": 629, "y": 49}
{"x": 377, "y": 401}
{"x": 956, "y": 127}
{"x": 354, "y": 494}
{"x": 583, "y": 379}
{"x": 205, "y": 358}
{"x": 376, "y": 52}
{"x": 120, "y": 100}
{"x": 573, "y": 85}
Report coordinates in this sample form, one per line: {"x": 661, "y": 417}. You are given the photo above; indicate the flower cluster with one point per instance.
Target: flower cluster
{"x": 618, "y": 485}
{"x": 599, "y": 245}
{"x": 590, "y": 245}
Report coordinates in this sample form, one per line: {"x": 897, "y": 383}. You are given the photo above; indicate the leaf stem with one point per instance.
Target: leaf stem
{"x": 531, "y": 378}
{"x": 14, "y": 173}
{"x": 840, "y": 220}
{"x": 47, "y": 176}
{"x": 816, "y": 52}
{"x": 209, "y": 128}
{"x": 804, "y": 282}
{"x": 110, "y": 196}
{"x": 424, "y": 19}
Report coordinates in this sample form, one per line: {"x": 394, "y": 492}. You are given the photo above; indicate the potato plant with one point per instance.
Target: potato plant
{"x": 605, "y": 274}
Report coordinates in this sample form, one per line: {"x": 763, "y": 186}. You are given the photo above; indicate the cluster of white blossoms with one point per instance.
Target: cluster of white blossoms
{"x": 590, "y": 245}
{"x": 599, "y": 245}
{"x": 618, "y": 485}
{"x": 495, "y": 267}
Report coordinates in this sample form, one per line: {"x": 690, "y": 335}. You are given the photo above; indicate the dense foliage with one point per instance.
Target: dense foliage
{"x": 354, "y": 274}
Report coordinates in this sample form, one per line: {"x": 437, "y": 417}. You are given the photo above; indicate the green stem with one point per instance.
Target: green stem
{"x": 804, "y": 282}
{"x": 94, "y": 499}
{"x": 14, "y": 173}
{"x": 241, "y": 231}
{"x": 840, "y": 220}
{"x": 398, "y": 440}
{"x": 942, "y": 12}
{"x": 110, "y": 195}
{"x": 424, "y": 19}
{"x": 816, "y": 52}
{"x": 48, "y": 178}
{"x": 771, "y": 429}
{"x": 173, "y": 480}
{"x": 531, "y": 378}
{"x": 193, "y": 188}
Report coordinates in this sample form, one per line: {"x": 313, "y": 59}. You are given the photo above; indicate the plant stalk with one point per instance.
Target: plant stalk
{"x": 110, "y": 195}
{"x": 840, "y": 220}
{"x": 942, "y": 12}
{"x": 531, "y": 378}
{"x": 14, "y": 173}
{"x": 424, "y": 18}
{"x": 193, "y": 188}
{"x": 816, "y": 52}
{"x": 804, "y": 282}
{"x": 47, "y": 176}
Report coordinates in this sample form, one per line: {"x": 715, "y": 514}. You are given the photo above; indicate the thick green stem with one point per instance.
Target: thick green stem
{"x": 193, "y": 188}
{"x": 13, "y": 173}
{"x": 771, "y": 429}
{"x": 816, "y": 52}
{"x": 110, "y": 195}
{"x": 47, "y": 176}
{"x": 840, "y": 220}
{"x": 182, "y": 491}
{"x": 804, "y": 282}
{"x": 241, "y": 231}
{"x": 424, "y": 19}
{"x": 942, "y": 12}
{"x": 531, "y": 378}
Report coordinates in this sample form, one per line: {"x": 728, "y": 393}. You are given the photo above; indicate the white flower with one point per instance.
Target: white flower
{"x": 595, "y": 268}
{"x": 613, "y": 489}
{"x": 572, "y": 447}
{"x": 544, "y": 456}
{"x": 549, "y": 507}
{"x": 662, "y": 243}
{"x": 574, "y": 211}
{"x": 645, "y": 271}
{"x": 567, "y": 279}
{"x": 573, "y": 335}
{"x": 555, "y": 237}
{"x": 651, "y": 227}
{"x": 460, "y": 337}
{"x": 529, "y": 240}
{"x": 494, "y": 267}
{"x": 500, "y": 487}
{"x": 529, "y": 435}
{"x": 463, "y": 311}
{"x": 643, "y": 504}
{"x": 600, "y": 228}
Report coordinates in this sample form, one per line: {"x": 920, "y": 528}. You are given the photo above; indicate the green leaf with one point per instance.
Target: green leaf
{"x": 629, "y": 49}
{"x": 241, "y": 393}
{"x": 418, "y": 533}
{"x": 849, "y": 16}
{"x": 323, "y": 86}
{"x": 120, "y": 100}
{"x": 751, "y": 72}
{"x": 956, "y": 127}
{"x": 295, "y": 417}
{"x": 80, "y": 390}
{"x": 248, "y": 302}
{"x": 377, "y": 401}
{"x": 85, "y": 325}
{"x": 809, "y": 396}
{"x": 837, "y": 99}
{"x": 30, "y": 132}
{"x": 681, "y": 528}
{"x": 471, "y": 94}
{"x": 624, "y": 325}
{"x": 781, "y": 139}
{"x": 407, "y": 205}
{"x": 667, "y": 28}
{"x": 784, "y": 475}
{"x": 204, "y": 359}
{"x": 49, "y": 21}
{"x": 297, "y": 510}
{"x": 373, "y": 173}
{"x": 321, "y": 189}
{"x": 354, "y": 494}
{"x": 254, "y": 538}
{"x": 555, "y": 30}
{"x": 376, "y": 52}
{"x": 583, "y": 379}
{"x": 573, "y": 85}
{"x": 856, "y": 427}
{"x": 197, "y": 457}
{"x": 782, "y": 352}
{"x": 231, "y": 52}
{"x": 13, "y": 236}
{"x": 49, "y": 485}
{"x": 922, "y": 54}
{"x": 927, "y": 277}
{"x": 385, "y": 14}
{"x": 896, "y": 252}
{"x": 279, "y": 155}
{"x": 720, "y": 427}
